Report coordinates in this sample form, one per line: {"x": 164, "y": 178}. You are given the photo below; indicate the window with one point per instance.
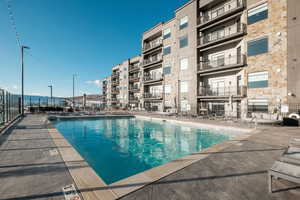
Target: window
{"x": 258, "y": 80}
{"x": 167, "y": 33}
{"x": 184, "y": 63}
{"x": 184, "y": 22}
{"x": 184, "y": 87}
{"x": 257, "y": 47}
{"x": 258, "y": 105}
{"x": 257, "y": 14}
{"x": 183, "y": 41}
{"x": 167, "y": 89}
{"x": 167, "y": 70}
{"x": 167, "y": 50}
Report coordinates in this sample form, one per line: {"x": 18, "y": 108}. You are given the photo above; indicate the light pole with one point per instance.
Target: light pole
{"x": 74, "y": 75}
{"x": 50, "y": 86}
{"x": 22, "y": 63}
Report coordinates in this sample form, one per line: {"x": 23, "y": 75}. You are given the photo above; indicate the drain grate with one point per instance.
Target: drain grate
{"x": 70, "y": 192}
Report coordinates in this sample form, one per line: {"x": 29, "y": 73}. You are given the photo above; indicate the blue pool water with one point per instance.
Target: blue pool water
{"x": 117, "y": 148}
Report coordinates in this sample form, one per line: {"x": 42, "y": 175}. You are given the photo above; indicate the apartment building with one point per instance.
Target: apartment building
{"x": 169, "y": 63}
{"x": 106, "y": 92}
{"x": 222, "y": 57}
{"x": 121, "y": 90}
{"x": 134, "y": 83}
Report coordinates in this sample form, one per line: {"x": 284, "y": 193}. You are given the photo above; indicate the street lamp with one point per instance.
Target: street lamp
{"x": 22, "y": 63}
{"x": 74, "y": 75}
{"x": 50, "y": 86}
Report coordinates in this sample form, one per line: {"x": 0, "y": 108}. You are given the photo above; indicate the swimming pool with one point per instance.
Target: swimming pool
{"x": 117, "y": 148}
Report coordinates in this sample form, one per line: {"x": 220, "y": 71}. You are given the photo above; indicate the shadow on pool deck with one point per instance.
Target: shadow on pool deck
{"x": 27, "y": 167}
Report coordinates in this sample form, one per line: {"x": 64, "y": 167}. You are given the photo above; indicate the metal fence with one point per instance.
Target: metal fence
{"x": 9, "y": 106}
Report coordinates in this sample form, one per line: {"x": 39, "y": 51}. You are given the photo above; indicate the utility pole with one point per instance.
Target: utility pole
{"x": 51, "y": 100}
{"x": 22, "y": 63}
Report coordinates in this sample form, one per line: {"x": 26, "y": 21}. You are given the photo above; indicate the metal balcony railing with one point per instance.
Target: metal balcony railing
{"x": 115, "y": 74}
{"x": 152, "y": 59}
{"x": 133, "y": 99}
{"x": 221, "y": 34}
{"x": 220, "y": 91}
{"x": 134, "y": 67}
{"x": 226, "y": 8}
{"x": 153, "y": 77}
{"x": 115, "y": 91}
{"x": 115, "y": 82}
{"x": 153, "y": 95}
{"x": 152, "y": 44}
{"x": 134, "y": 77}
{"x": 134, "y": 88}
{"x": 222, "y": 62}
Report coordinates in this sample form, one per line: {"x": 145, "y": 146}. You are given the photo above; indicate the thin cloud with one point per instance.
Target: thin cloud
{"x": 97, "y": 83}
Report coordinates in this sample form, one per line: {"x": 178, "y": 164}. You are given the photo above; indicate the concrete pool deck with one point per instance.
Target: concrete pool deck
{"x": 235, "y": 169}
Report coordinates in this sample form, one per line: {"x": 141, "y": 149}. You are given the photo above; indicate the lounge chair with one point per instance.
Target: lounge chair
{"x": 288, "y": 166}
{"x": 291, "y": 155}
{"x": 286, "y": 171}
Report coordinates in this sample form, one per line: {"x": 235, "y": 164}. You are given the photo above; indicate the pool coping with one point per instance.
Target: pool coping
{"x": 91, "y": 186}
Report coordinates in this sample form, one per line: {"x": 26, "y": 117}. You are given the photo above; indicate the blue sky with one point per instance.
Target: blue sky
{"x": 83, "y": 37}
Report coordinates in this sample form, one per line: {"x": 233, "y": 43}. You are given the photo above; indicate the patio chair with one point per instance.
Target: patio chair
{"x": 291, "y": 155}
{"x": 286, "y": 171}
{"x": 288, "y": 166}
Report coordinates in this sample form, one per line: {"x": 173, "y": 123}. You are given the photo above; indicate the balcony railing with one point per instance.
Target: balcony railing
{"x": 223, "y": 10}
{"x": 222, "y": 62}
{"x": 153, "y": 44}
{"x": 220, "y": 35}
{"x": 133, "y": 99}
{"x": 115, "y": 91}
{"x": 134, "y": 77}
{"x": 134, "y": 67}
{"x": 134, "y": 88}
{"x": 115, "y": 74}
{"x": 148, "y": 78}
{"x": 152, "y": 59}
{"x": 115, "y": 82}
{"x": 153, "y": 95}
{"x": 221, "y": 91}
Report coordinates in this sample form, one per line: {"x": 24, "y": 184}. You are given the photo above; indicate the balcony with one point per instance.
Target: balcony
{"x": 115, "y": 91}
{"x": 153, "y": 96}
{"x": 134, "y": 67}
{"x": 222, "y": 63}
{"x": 226, "y": 91}
{"x": 114, "y": 83}
{"x": 152, "y": 78}
{"x": 115, "y": 101}
{"x": 134, "y": 89}
{"x": 229, "y": 8}
{"x": 152, "y": 60}
{"x": 221, "y": 35}
{"x": 152, "y": 44}
{"x": 133, "y": 99}
{"x": 115, "y": 74}
{"x": 134, "y": 78}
